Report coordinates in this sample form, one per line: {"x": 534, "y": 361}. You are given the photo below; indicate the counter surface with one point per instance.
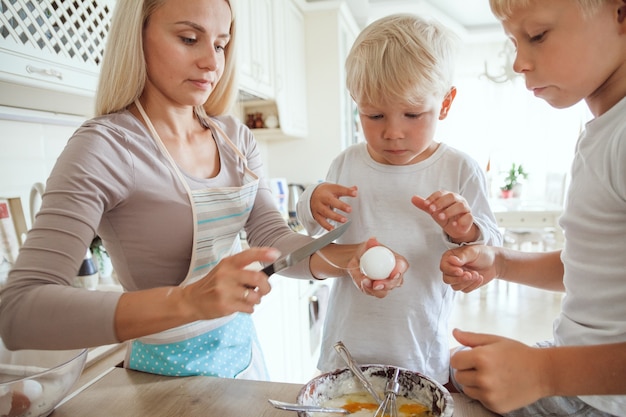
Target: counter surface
{"x": 126, "y": 393}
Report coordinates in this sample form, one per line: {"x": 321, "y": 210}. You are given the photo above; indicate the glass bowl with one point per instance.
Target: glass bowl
{"x": 33, "y": 382}
{"x": 413, "y": 385}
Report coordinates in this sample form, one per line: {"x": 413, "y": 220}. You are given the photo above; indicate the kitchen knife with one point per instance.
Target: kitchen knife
{"x": 305, "y": 251}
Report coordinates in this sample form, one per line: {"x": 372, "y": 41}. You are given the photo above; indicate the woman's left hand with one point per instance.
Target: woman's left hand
{"x": 377, "y": 288}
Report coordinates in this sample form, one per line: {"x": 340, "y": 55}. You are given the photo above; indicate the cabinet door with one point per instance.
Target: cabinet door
{"x": 55, "y": 45}
{"x": 291, "y": 68}
{"x": 254, "y": 26}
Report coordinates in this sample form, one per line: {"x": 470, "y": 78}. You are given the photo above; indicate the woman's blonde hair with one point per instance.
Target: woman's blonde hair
{"x": 401, "y": 57}
{"x": 123, "y": 72}
{"x": 503, "y": 9}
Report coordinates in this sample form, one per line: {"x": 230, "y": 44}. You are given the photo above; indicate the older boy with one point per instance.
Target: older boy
{"x": 567, "y": 50}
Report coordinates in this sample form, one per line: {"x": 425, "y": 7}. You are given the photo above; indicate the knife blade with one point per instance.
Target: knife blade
{"x": 305, "y": 251}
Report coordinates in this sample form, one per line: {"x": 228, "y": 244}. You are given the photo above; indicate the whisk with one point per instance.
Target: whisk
{"x": 389, "y": 407}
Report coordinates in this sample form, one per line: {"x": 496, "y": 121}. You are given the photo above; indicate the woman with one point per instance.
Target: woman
{"x": 167, "y": 181}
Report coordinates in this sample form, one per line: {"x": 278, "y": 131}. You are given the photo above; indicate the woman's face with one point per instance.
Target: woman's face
{"x": 184, "y": 45}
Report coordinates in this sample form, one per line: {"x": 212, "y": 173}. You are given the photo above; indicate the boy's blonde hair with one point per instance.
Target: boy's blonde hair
{"x": 503, "y": 9}
{"x": 123, "y": 72}
{"x": 401, "y": 57}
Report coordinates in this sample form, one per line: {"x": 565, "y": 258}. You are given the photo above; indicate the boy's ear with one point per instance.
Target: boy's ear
{"x": 621, "y": 12}
{"x": 447, "y": 102}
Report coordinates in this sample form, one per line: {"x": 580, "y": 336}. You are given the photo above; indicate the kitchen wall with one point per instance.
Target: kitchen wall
{"x": 500, "y": 123}
{"x": 30, "y": 142}
{"x": 492, "y": 122}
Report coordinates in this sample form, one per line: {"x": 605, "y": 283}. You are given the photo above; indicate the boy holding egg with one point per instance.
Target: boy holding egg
{"x": 399, "y": 72}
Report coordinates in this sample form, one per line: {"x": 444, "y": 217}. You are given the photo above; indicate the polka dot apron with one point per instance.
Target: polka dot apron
{"x": 224, "y": 347}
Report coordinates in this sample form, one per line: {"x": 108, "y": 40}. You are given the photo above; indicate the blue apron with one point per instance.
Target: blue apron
{"x": 225, "y": 347}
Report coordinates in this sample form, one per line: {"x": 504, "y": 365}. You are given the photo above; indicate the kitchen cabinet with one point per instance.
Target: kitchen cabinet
{"x": 50, "y": 53}
{"x": 288, "y": 324}
{"x": 287, "y": 99}
{"x": 255, "y": 59}
{"x": 290, "y": 44}
{"x": 330, "y": 31}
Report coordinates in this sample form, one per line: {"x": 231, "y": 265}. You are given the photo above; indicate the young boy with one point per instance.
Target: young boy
{"x": 399, "y": 72}
{"x": 567, "y": 50}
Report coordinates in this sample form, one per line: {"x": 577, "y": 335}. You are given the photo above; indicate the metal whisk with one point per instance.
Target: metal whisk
{"x": 389, "y": 407}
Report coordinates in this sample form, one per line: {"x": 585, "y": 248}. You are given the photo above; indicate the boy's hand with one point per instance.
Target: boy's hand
{"x": 325, "y": 201}
{"x": 468, "y": 267}
{"x": 452, "y": 213}
{"x": 501, "y": 373}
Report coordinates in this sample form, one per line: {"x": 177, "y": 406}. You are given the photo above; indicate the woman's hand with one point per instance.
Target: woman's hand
{"x": 501, "y": 373}
{"x": 326, "y": 204}
{"x": 468, "y": 267}
{"x": 231, "y": 285}
{"x": 377, "y": 288}
{"x": 452, "y": 213}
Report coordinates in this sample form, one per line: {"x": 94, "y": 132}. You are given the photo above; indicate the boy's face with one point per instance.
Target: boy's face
{"x": 402, "y": 134}
{"x": 565, "y": 56}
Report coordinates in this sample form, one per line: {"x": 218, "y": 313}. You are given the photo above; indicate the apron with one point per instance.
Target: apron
{"x": 226, "y": 347}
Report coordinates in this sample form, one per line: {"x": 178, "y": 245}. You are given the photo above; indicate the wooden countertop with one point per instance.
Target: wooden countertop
{"x": 126, "y": 393}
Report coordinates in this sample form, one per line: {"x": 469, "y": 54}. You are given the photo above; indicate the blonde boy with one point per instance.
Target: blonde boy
{"x": 399, "y": 72}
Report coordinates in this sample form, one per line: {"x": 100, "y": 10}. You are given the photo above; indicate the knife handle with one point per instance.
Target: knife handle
{"x": 268, "y": 270}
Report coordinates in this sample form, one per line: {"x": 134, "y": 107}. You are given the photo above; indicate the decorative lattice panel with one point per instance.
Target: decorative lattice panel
{"x": 72, "y": 29}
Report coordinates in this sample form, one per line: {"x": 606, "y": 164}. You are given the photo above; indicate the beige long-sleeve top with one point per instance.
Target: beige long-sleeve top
{"x": 112, "y": 180}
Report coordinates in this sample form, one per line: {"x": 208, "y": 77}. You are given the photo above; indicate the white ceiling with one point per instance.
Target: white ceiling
{"x": 471, "y": 18}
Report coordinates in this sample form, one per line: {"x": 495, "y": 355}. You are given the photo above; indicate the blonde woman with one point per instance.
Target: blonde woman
{"x": 168, "y": 181}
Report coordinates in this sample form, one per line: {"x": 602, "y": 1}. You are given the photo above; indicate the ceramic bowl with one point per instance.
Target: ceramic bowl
{"x": 33, "y": 382}
{"x": 413, "y": 386}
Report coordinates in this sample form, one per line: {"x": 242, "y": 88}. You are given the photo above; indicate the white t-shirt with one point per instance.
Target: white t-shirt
{"x": 594, "y": 256}
{"x": 409, "y": 327}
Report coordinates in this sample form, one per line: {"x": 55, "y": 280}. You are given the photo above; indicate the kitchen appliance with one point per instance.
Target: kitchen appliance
{"x": 295, "y": 191}
{"x": 280, "y": 193}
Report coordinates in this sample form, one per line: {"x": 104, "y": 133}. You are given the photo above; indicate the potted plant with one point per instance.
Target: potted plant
{"x": 102, "y": 259}
{"x": 512, "y": 180}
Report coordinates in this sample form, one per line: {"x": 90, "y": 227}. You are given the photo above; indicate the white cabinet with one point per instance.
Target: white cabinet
{"x": 330, "y": 31}
{"x": 53, "y": 46}
{"x": 283, "y": 53}
{"x": 289, "y": 324}
{"x": 255, "y": 55}
{"x": 290, "y": 44}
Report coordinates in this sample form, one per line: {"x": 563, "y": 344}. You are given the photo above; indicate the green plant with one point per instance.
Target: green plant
{"x": 96, "y": 247}
{"x": 516, "y": 172}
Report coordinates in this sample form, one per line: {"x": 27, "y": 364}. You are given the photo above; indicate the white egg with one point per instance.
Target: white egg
{"x": 377, "y": 262}
{"x": 32, "y": 389}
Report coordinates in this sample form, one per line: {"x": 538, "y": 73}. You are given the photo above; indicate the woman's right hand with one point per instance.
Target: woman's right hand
{"x": 325, "y": 201}
{"x": 231, "y": 285}
{"x": 468, "y": 267}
